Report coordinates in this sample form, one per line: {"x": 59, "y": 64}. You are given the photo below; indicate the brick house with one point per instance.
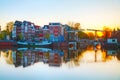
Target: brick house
{"x": 116, "y": 34}
{"x": 55, "y": 31}
{"x": 17, "y": 30}
{"x": 38, "y": 33}
{"x": 28, "y": 30}
{"x": 46, "y": 32}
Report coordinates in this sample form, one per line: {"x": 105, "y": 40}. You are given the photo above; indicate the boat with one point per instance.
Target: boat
{"x": 22, "y": 43}
{"x": 43, "y": 44}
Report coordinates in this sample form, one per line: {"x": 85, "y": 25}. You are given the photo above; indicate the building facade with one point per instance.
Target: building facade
{"x": 56, "y": 33}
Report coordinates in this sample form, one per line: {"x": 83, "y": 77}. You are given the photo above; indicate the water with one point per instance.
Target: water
{"x": 54, "y": 64}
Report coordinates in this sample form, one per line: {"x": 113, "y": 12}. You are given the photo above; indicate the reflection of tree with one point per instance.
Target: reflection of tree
{"x": 8, "y": 57}
{"x": 118, "y": 55}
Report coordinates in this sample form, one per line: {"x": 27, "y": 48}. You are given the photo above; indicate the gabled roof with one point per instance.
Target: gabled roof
{"x": 18, "y": 23}
{"x": 116, "y": 34}
{"x": 28, "y": 22}
{"x": 46, "y": 27}
{"x": 36, "y": 26}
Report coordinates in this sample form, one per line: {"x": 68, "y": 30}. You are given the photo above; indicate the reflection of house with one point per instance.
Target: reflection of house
{"x": 111, "y": 52}
{"x": 17, "y": 58}
{"x": 30, "y": 57}
{"x": 83, "y": 43}
{"x": 72, "y": 45}
{"x": 66, "y": 55}
{"x": 54, "y": 60}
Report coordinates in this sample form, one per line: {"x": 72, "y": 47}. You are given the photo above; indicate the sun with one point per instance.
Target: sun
{"x": 99, "y": 34}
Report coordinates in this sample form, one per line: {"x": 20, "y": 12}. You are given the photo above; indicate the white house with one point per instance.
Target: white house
{"x": 112, "y": 40}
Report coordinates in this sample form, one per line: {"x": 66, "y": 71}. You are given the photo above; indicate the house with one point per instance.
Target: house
{"x": 28, "y": 30}
{"x": 17, "y": 30}
{"x": 38, "y": 33}
{"x": 66, "y": 29}
{"x": 55, "y": 31}
{"x": 17, "y": 58}
{"x": 116, "y": 35}
{"x": 46, "y": 33}
{"x": 23, "y": 31}
{"x": 112, "y": 52}
{"x": 112, "y": 40}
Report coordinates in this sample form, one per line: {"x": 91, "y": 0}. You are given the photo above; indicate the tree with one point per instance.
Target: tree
{"x": 0, "y": 29}
{"x": 20, "y": 37}
{"x": 74, "y": 26}
{"x": 47, "y": 36}
{"x": 82, "y": 35}
{"x": 91, "y": 35}
{"x": 77, "y": 26}
{"x": 3, "y": 34}
{"x": 107, "y": 32}
{"x": 9, "y": 27}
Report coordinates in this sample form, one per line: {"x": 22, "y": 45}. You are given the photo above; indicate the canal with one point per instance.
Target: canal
{"x": 59, "y": 64}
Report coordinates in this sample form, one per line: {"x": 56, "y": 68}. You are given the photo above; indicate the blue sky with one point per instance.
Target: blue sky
{"x": 90, "y": 13}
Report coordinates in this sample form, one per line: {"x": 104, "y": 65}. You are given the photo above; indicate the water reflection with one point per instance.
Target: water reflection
{"x": 56, "y": 57}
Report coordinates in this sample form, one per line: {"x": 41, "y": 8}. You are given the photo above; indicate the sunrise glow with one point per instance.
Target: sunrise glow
{"x": 93, "y": 14}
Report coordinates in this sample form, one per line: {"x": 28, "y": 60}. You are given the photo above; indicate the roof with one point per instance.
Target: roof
{"x": 46, "y": 27}
{"x": 55, "y": 23}
{"x": 36, "y": 26}
{"x": 18, "y": 23}
{"x": 116, "y": 34}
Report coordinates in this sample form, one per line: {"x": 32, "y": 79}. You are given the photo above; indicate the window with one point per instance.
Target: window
{"x": 113, "y": 40}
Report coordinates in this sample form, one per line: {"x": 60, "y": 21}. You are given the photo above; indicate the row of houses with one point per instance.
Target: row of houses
{"x": 29, "y": 57}
{"x": 28, "y": 31}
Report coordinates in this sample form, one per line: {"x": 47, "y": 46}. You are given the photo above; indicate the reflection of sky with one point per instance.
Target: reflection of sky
{"x": 90, "y": 13}
{"x": 40, "y": 71}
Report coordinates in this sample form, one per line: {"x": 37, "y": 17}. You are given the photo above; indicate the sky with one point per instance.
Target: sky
{"x": 92, "y": 14}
